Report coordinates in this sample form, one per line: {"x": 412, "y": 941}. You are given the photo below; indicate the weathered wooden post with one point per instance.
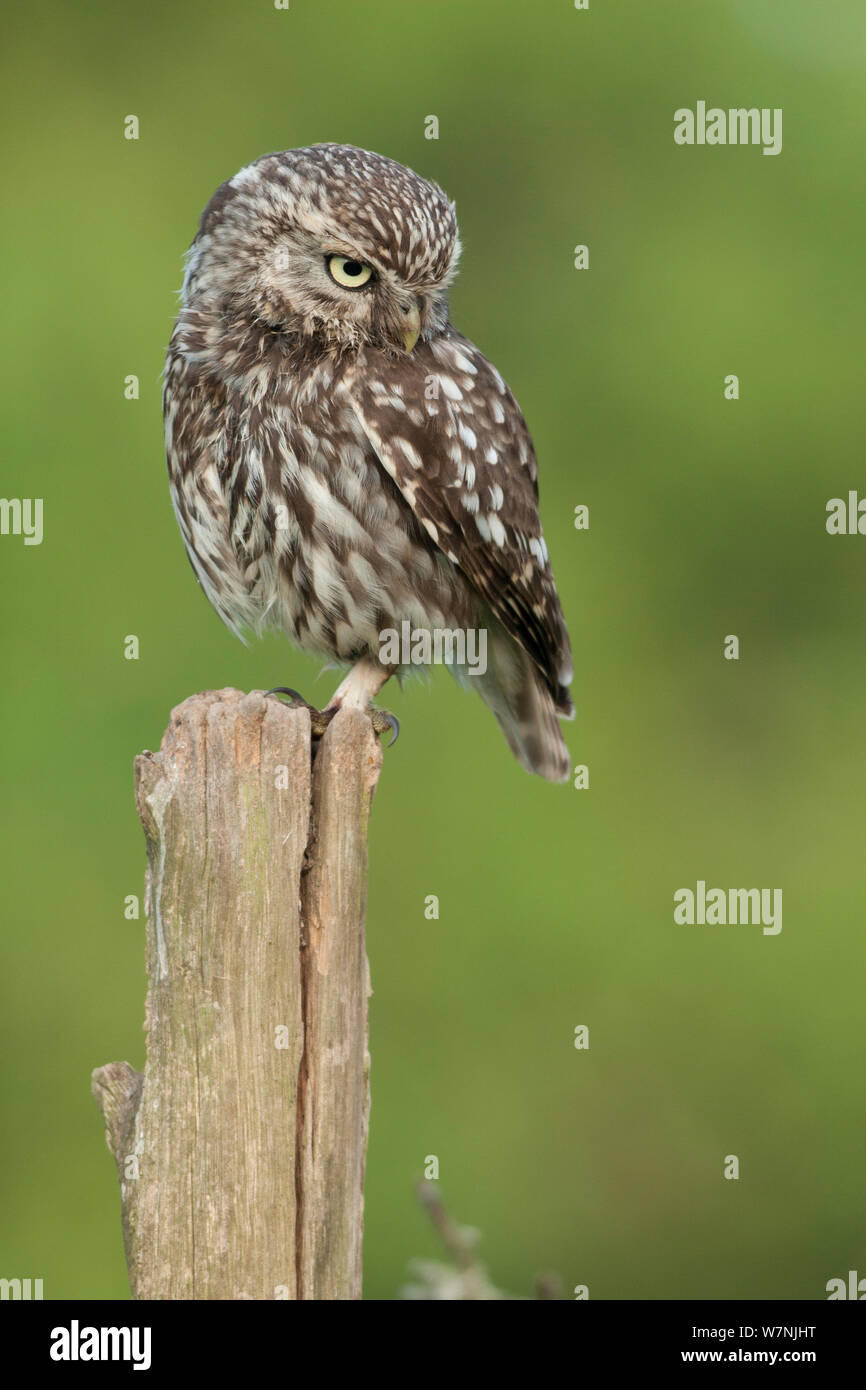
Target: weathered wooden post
{"x": 240, "y": 1148}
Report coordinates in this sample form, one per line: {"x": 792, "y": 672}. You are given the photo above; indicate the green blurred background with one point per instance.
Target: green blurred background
{"x": 707, "y": 518}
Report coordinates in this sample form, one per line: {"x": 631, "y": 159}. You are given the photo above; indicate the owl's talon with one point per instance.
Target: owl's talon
{"x": 382, "y": 719}
{"x": 287, "y": 690}
{"x": 319, "y": 718}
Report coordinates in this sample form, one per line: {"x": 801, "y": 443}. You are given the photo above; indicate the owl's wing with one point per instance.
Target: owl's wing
{"x": 449, "y": 432}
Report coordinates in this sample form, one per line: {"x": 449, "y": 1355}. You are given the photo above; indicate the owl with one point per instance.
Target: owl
{"x": 343, "y": 463}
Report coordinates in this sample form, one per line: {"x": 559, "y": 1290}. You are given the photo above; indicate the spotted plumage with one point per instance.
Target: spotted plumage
{"x": 342, "y": 461}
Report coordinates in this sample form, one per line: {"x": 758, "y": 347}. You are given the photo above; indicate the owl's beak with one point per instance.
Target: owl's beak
{"x": 411, "y": 330}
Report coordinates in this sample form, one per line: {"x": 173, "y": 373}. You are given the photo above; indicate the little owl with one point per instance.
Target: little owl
{"x": 342, "y": 461}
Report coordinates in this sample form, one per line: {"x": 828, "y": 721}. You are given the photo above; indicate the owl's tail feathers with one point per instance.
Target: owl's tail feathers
{"x": 515, "y": 691}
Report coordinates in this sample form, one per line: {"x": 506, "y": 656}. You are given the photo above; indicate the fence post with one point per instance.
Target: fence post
{"x": 240, "y": 1149}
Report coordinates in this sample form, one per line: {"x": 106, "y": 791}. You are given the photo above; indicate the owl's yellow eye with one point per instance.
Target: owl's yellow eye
{"x": 348, "y": 273}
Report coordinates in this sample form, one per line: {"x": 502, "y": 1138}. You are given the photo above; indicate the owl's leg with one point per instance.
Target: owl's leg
{"x": 360, "y": 688}
{"x": 357, "y": 691}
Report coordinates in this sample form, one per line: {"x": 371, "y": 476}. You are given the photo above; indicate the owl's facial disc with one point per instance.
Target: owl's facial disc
{"x": 343, "y": 293}
{"x": 351, "y": 273}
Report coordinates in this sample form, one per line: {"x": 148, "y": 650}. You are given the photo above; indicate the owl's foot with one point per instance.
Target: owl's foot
{"x": 381, "y": 719}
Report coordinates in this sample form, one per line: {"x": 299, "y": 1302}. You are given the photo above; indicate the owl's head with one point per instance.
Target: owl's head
{"x": 329, "y": 242}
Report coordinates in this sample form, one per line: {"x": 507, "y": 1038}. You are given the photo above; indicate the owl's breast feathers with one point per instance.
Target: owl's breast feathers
{"x": 288, "y": 517}
{"x": 333, "y": 496}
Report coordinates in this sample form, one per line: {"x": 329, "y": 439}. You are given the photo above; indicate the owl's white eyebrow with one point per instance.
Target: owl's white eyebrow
{"x": 349, "y": 252}
{"x": 352, "y": 254}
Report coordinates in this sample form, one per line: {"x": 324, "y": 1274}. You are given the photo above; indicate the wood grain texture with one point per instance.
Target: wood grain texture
{"x": 240, "y": 1149}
